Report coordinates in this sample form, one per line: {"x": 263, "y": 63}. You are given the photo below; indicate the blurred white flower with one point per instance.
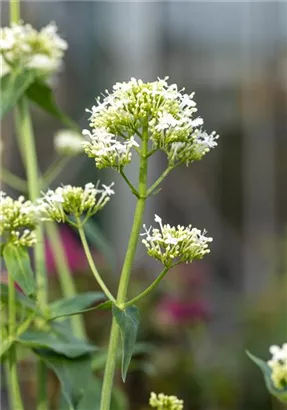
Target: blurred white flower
{"x": 22, "y": 46}
{"x": 278, "y": 365}
{"x": 175, "y": 244}
{"x": 68, "y": 142}
{"x": 18, "y": 220}
{"x": 164, "y": 402}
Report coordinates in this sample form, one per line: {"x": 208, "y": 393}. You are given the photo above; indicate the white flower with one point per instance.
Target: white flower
{"x": 107, "y": 150}
{"x": 18, "y": 220}
{"x": 175, "y": 244}
{"x": 68, "y": 201}
{"x": 22, "y": 46}
{"x": 278, "y": 365}
{"x": 164, "y": 402}
{"x": 68, "y": 142}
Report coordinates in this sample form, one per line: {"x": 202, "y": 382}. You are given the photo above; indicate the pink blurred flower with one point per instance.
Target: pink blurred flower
{"x": 173, "y": 311}
{"x": 73, "y": 250}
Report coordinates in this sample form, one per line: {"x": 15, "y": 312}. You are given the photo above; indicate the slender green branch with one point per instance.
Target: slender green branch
{"x": 13, "y": 180}
{"x": 91, "y": 263}
{"x": 132, "y": 188}
{"x": 24, "y": 126}
{"x": 149, "y": 289}
{"x": 15, "y": 394}
{"x": 151, "y": 152}
{"x": 66, "y": 279}
{"x": 125, "y": 275}
{"x": 14, "y": 11}
{"x": 159, "y": 180}
{"x": 54, "y": 170}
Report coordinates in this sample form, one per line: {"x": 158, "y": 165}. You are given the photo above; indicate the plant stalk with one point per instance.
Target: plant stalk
{"x": 14, "y": 389}
{"x": 28, "y": 146}
{"x": 14, "y": 11}
{"x": 125, "y": 274}
{"x": 66, "y": 279}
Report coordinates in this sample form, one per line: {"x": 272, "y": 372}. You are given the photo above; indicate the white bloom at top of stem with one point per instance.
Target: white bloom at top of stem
{"x": 278, "y": 365}
{"x": 68, "y": 142}
{"x": 168, "y": 112}
{"x": 74, "y": 201}
{"x": 171, "y": 244}
{"x": 107, "y": 150}
{"x": 18, "y": 220}
{"x": 23, "y": 46}
{"x": 164, "y": 402}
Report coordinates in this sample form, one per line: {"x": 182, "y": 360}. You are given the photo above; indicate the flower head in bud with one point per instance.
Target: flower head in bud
{"x": 175, "y": 244}
{"x": 22, "y": 46}
{"x": 107, "y": 150}
{"x": 278, "y": 365}
{"x": 168, "y": 112}
{"x": 18, "y": 220}
{"x": 68, "y": 201}
{"x": 164, "y": 402}
{"x": 68, "y": 142}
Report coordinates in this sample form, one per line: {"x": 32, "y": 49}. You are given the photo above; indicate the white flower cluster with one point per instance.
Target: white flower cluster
{"x": 18, "y": 220}
{"x": 107, "y": 150}
{"x": 68, "y": 201}
{"x": 175, "y": 244}
{"x": 167, "y": 111}
{"x": 278, "y": 365}
{"x": 68, "y": 142}
{"x": 164, "y": 402}
{"x": 22, "y": 46}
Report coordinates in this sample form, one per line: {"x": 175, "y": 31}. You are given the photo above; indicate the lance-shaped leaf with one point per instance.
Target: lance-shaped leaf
{"x": 42, "y": 95}
{"x": 59, "y": 342}
{"x": 13, "y": 87}
{"x": 6, "y": 341}
{"x": 78, "y": 386}
{"x": 263, "y": 366}
{"x": 18, "y": 265}
{"x": 128, "y": 321}
{"x": 74, "y": 305}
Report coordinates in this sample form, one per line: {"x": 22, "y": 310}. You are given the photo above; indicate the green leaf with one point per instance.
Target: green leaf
{"x": 74, "y": 305}
{"x": 18, "y": 265}
{"x": 22, "y": 301}
{"x": 13, "y": 87}
{"x": 60, "y": 342}
{"x": 279, "y": 394}
{"x": 128, "y": 321}
{"x": 78, "y": 387}
{"x": 6, "y": 341}
{"x": 42, "y": 95}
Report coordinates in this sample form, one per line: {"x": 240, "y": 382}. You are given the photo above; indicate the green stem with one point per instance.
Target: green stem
{"x": 92, "y": 265}
{"x": 15, "y": 394}
{"x": 125, "y": 275}
{"x": 13, "y": 180}
{"x": 147, "y": 290}
{"x": 29, "y": 150}
{"x": 66, "y": 279}
{"x": 14, "y": 11}
{"x": 159, "y": 180}
{"x": 132, "y": 188}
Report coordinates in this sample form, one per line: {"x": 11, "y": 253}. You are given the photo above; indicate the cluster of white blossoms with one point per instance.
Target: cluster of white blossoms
{"x": 171, "y": 244}
{"x": 69, "y": 200}
{"x": 168, "y": 113}
{"x": 163, "y": 402}
{"x": 278, "y": 365}
{"x": 107, "y": 150}
{"x": 18, "y": 221}
{"x": 23, "y": 46}
{"x": 68, "y": 142}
